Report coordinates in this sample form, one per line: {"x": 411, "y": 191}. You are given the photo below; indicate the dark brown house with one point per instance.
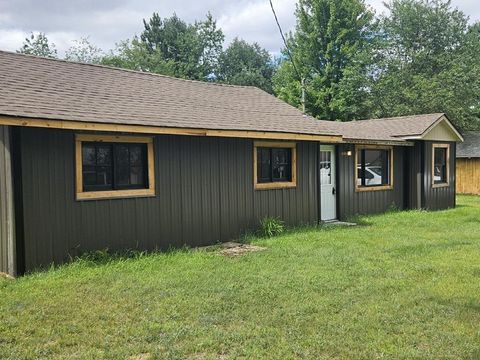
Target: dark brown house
{"x": 93, "y": 157}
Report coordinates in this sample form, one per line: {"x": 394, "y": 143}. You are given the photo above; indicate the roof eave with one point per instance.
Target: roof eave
{"x": 378, "y": 142}
{"x": 148, "y": 129}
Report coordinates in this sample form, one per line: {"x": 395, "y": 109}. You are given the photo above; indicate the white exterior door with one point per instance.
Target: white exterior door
{"x": 328, "y": 197}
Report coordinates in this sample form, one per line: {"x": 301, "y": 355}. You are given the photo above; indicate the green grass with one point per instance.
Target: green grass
{"x": 403, "y": 285}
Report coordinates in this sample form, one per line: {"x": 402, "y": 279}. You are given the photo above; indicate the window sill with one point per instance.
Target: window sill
{"x": 115, "y": 194}
{"x": 373, "y": 188}
{"x": 434, "y": 186}
{"x": 275, "y": 185}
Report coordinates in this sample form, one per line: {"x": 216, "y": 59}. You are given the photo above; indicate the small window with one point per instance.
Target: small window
{"x": 374, "y": 167}
{"x": 325, "y": 167}
{"x": 440, "y": 166}
{"x": 274, "y": 165}
{"x": 114, "y": 166}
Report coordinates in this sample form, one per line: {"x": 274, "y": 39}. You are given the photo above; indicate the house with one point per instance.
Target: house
{"x": 94, "y": 157}
{"x": 468, "y": 164}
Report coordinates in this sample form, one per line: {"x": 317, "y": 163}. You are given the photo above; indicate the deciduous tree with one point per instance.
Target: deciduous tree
{"x": 428, "y": 62}
{"x": 246, "y": 64}
{"x": 330, "y": 51}
{"x": 38, "y": 45}
{"x": 84, "y": 51}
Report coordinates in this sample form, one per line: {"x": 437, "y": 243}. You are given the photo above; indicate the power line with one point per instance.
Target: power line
{"x": 285, "y": 41}
{"x": 302, "y": 80}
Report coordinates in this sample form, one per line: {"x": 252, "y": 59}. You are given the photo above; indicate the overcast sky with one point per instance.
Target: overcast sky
{"x": 106, "y": 22}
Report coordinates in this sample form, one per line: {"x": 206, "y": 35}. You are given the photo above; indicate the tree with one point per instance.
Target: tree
{"x": 38, "y": 45}
{"x": 84, "y": 51}
{"x": 428, "y": 62}
{"x": 246, "y": 64}
{"x": 211, "y": 44}
{"x": 134, "y": 55}
{"x": 330, "y": 49}
{"x": 192, "y": 50}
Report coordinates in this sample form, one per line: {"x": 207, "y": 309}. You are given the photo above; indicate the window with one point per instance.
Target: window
{"x": 374, "y": 168}
{"x": 440, "y": 164}
{"x": 325, "y": 167}
{"x": 274, "y": 165}
{"x": 114, "y": 166}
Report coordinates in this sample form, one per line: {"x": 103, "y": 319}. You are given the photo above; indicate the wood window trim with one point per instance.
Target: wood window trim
{"x": 447, "y": 183}
{"x": 113, "y": 194}
{"x": 391, "y": 164}
{"x": 278, "y": 184}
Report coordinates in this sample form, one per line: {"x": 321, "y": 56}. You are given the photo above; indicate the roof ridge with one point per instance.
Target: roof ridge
{"x": 128, "y": 70}
{"x": 398, "y": 117}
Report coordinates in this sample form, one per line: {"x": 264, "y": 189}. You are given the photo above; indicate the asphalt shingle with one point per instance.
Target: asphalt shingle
{"x": 44, "y": 88}
{"x": 55, "y": 89}
{"x": 470, "y": 148}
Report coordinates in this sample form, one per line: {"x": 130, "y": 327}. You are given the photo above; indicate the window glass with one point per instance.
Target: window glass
{"x": 440, "y": 165}
{"x": 325, "y": 167}
{"x": 264, "y": 170}
{"x": 113, "y": 166}
{"x": 281, "y": 165}
{"x": 274, "y": 165}
{"x": 88, "y": 155}
{"x": 373, "y": 167}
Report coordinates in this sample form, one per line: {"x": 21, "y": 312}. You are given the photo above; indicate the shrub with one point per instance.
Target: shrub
{"x": 271, "y": 226}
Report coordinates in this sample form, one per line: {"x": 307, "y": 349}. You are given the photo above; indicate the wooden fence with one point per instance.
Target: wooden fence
{"x": 468, "y": 176}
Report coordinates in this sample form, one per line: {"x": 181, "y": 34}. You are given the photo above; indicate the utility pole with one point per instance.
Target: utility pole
{"x": 303, "y": 94}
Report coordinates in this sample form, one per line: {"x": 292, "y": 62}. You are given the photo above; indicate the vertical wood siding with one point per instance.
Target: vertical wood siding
{"x": 351, "y": 202}
{"x": 204, "y": 194}
{"x": 441, "y": 197}
{"x": 468, "y": 176}
{"x": 413, "y": 176}
{"x": 7, "y": 236}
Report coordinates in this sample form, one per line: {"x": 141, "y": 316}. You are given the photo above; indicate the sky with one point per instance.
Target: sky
{"x": 105, "y": 22}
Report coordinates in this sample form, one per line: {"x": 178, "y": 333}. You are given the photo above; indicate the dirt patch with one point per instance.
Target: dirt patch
{"x": 237, "y": 249}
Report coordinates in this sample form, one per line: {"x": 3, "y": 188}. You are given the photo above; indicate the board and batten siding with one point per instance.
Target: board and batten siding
{"x": 468, "y": 176}
{"x": 204, "y": 195}
{"x": 351, "y": 202}
{"x": 414, "y": 175}
{"x": 438, "y": 198}
{"x": 7, "y": 232}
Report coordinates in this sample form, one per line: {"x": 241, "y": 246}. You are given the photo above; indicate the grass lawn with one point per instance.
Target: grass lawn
{"x": 401, "y": 285}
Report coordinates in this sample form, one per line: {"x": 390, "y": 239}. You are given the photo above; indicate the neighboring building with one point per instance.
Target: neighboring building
{"x": 93, "y": 157}
{"x": 468, "y": 164}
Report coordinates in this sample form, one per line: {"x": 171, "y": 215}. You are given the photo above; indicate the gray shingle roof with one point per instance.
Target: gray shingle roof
{"x": 470, "y": 148}
{"x": 43, "y": 88}
{"x": 389, "y": 128}
{"x": 55, "y": 89}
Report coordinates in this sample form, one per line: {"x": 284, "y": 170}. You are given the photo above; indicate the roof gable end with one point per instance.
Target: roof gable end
{"x": 441, "y": 130}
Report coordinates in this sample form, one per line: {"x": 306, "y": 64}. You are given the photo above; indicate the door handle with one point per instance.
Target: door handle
{"x": 333, "y": 190}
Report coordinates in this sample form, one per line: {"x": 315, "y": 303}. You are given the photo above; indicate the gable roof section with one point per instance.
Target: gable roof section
{"x": 413, "y": 127}
{"x": 35, "y": 87}
{"x": 470, "y": 148}
{"x": 54, "y": 93}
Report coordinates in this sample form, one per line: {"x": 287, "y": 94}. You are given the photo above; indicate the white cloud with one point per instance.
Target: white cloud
{"x": 11, "y": 40}
{"x": 255, "y": 23}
